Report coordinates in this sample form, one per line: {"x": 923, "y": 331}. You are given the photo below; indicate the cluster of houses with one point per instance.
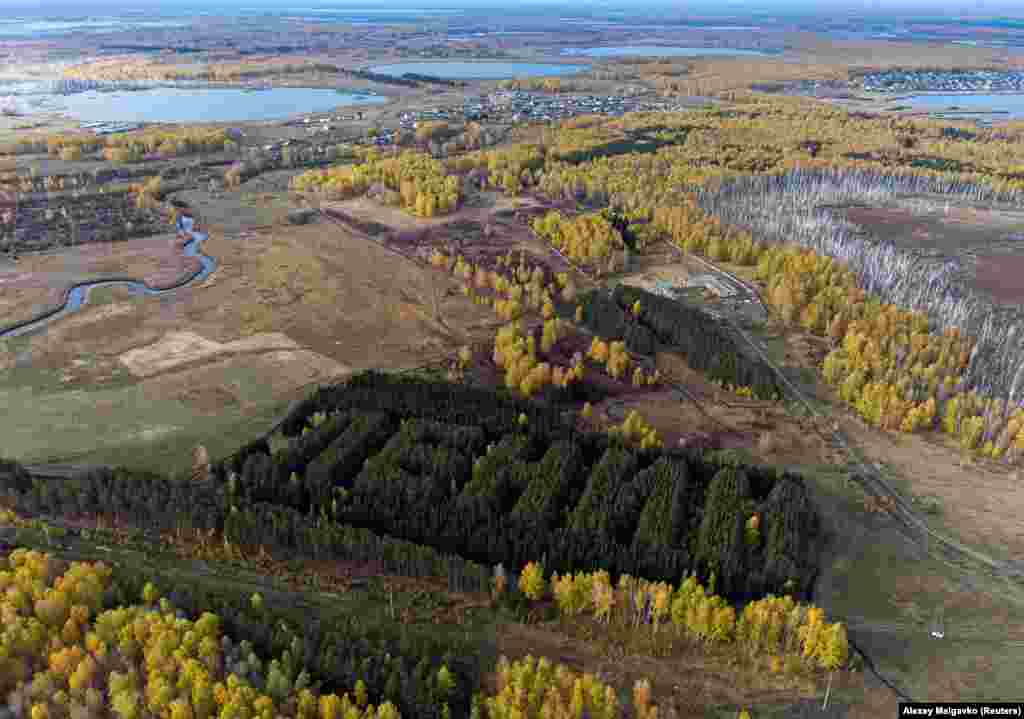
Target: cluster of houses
{"x": 110, "y": 128}
{"x": 325, "y": 123}
{"x": 521, "y": 106}
{"x": 944, "y": 81}
{"x": 503, "y": 107}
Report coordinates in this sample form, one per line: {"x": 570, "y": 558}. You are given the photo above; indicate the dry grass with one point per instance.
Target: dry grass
{"x": 877, "y": 54}
{"x": 770, "y": 442}
{"x": 157, "y": 361}
{"x": 285, "y": 275}
{"x": 979, "y": 501}
{"x": 812, "y": 58}
{"x": 38, "y": 281}
{"x": 689, "y": 681}
{"x": 336, "y": 295}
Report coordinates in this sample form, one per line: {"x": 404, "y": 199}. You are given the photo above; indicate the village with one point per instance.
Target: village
{"x": 502, "y": 107}
{"x": 522, "y": 106}
{"x": 944, "y": 81}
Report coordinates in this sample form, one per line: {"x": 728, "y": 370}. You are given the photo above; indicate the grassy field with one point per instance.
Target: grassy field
{"x": 172, "y": 452}
{"x": 118, "y": 425}
{"x": 891, "y": 591}
{"x": 141, "y": 380}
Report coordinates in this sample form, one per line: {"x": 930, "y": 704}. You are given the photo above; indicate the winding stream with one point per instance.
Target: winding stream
{"x": 76, "y": 296}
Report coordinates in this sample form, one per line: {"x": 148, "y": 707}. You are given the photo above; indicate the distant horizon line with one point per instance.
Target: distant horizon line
{"x": 907, "y": 10}
{"x": 791, "y": 13}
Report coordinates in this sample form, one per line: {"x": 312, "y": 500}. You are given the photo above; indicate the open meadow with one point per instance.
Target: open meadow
{"x": 262, "y": 326}
{"x": 38, "y": 281}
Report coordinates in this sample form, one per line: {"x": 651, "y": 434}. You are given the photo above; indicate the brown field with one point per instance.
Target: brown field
{"x": 980, "y": 501}
{"x": 288, "y": 307}
{"x": 37, "y": 282}
{"x": 765, "y": 429}
{"x": 983, "y": 239}
{"x": 263, "y": 275}
{"x": 879, "y": 54}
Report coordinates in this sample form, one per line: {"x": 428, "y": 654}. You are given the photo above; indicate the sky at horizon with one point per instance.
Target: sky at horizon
{"x": 806, "y": 8}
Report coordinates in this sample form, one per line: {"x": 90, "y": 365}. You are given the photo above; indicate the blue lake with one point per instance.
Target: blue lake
{"x": 656, "y": 51}
{"x": 23, "y": 27}
{"x": 478, "y": 70}
{"x": 206, "y": 104}
{"x": 1011, "y": 104}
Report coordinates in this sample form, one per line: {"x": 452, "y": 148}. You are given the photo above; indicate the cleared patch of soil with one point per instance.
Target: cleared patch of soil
{"x": 180, "y": 348}
{"x": 172, "y": 350}
{"x": 649, "y": 280}
{"x": 151, "y": 433}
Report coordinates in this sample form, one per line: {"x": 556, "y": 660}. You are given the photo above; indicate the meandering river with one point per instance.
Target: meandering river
{"x": 77, "y": 296}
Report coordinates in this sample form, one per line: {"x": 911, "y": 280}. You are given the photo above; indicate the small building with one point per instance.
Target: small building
{"x": 710, "y": 282}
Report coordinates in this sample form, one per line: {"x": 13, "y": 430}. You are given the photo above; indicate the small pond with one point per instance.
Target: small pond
{"x": 999, "y": 105}
{"x": 477, "y": 70}
{"x": 656, "y": 51}
{"x": 206, "y": 104}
